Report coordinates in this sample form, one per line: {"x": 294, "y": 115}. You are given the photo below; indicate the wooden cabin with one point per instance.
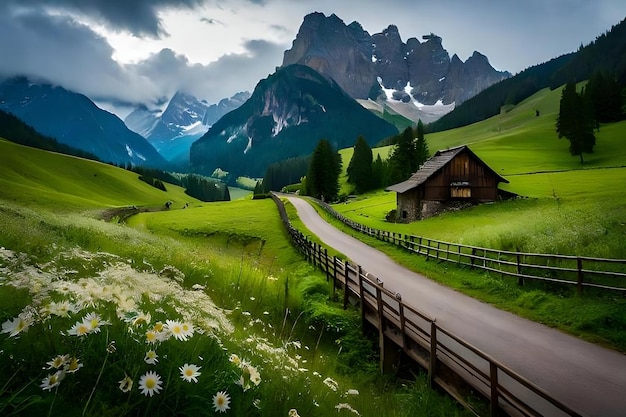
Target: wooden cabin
{"x": 450, "y": 178}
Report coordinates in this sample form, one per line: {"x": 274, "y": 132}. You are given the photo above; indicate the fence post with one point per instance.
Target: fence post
{"x": 579, "y": 265}
{"x": 493, "y": 382}
{"x": 472, "y": 258}
{"x": 345, "y": 285}
{"x": 362, "y": 298}
{"x": 432, "y": 369}
{"x": 326, "y": 262}
{"x": 402, "y": 322}
{"x": 520, "y": 280}
{"x": 334, "y": 276}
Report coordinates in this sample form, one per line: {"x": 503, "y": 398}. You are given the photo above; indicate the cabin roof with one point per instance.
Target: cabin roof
{"x": 434, "y": 164}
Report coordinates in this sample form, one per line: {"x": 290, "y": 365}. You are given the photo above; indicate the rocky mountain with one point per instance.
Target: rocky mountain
{"x": 366, "y": 65}
{"x": 74, "y": 120}
{"x": 184, "y": 120}
{"x": 286, "y": 116}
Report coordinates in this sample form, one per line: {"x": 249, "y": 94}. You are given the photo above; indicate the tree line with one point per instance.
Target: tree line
{"x": 581, "y": 113}
{"x": 202, "y": 188}
{"x": 607, "y": 54}
{"x": 365, "y": 173}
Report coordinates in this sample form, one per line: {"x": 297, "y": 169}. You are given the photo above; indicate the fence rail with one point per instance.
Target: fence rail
{"x": 578, "y": 271}
{"x": 452, "y": 363}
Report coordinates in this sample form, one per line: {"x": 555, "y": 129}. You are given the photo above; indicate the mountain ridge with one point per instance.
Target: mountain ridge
{"x": 286, "y": 116}
{"x": 363, "y": 64}
{"x": 73, "y": 119}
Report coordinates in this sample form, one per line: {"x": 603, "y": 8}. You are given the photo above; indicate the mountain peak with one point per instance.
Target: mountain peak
{"x": 357, "y": 60}
{"x": 286, "y": 116}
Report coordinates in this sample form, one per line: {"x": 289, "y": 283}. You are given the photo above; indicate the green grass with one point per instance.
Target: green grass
{"x": 568, "y": 208}
{"x": 59, "y": 182}
{"x": 571, "y": 209}
{"x": 227, "y": 268}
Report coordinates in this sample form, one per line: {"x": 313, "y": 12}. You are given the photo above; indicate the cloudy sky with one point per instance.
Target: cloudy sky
{"x": 142, "y": 51}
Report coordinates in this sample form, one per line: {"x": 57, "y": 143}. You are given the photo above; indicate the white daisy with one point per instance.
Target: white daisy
{"x": 52, "y": 380}
{"x": 150, "y": 383}
{"x": 189, "y": 372}
{"x": 17, "y": 325}
{"x": 72, "y": 366}
{"x": 58, "y": 361}
{"x": 176, "y": 329}
{"x": 221, "y": 401}
{"x": 126, "y": 384}
{"x": 79, "y": 329}
{"x": 94, "y": 322}
{"x": 151, "y": 357}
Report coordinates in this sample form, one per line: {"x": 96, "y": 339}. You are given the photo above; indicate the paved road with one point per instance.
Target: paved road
{"x": 584, "y": 376}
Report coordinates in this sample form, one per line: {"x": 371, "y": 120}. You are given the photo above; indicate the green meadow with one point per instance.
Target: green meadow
{"x": 203, "y": 309}
{"x": 207, "y": 308}
{"x": 564, "y": 207}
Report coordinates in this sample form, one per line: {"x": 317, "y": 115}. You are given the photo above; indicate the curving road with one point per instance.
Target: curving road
{"x": 582, "y": 375}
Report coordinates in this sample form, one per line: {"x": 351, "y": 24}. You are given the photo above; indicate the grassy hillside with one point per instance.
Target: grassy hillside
{"x": 573, "y": 208}
{"x": 258, "y": 320}
{"x": 33, "y": 177}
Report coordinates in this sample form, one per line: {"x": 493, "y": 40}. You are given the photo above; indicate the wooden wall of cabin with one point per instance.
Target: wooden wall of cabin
{"x": 482, "y": 183}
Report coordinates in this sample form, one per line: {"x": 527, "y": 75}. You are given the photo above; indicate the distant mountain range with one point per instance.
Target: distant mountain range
{"x": 74, "y": 120}
{"x": 312, "y": 96}
{"x": 287, "y": 115}
{"x": 184, "y": 120}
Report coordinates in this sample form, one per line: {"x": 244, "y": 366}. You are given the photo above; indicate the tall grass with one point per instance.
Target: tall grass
{"x": 240, "y": 298}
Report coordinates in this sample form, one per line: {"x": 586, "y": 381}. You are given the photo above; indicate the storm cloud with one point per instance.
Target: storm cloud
{"x": 143, "y": 51}
{"x": 139, "y": 17}
{"x": 59, "y": 50}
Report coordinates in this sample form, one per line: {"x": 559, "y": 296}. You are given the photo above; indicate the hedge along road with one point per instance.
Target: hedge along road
{"x": 584, "y": 376}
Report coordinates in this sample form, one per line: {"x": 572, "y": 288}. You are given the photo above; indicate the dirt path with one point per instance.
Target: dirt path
{"x": 582, "y": 375}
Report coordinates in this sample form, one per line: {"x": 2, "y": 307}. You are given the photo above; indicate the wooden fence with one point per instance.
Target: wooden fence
{"x": 579, "y": 271}
{"x": 453, "y": 364}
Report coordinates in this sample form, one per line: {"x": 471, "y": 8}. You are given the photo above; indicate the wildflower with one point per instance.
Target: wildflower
{"x": 249, "y": 376}
{"x": 111, "y": 347}
{"x": 235, "y": 359}
{"x": 141, "y": 318}
{"x": 58, "y": 362}
{"x": 176, "y": 329}
{"x": 331, "y": 383}
{"x": 293, "y": 413}
{"x": 221, "y": 401}
{"x": 187, "y": 330}
{"x": 151, "y": 336}
{"x": 79, "y": 329}
{"x": 150, "y": 383}
{"x": 151, "y": 357}
{"x": 126, "y": 384}
{"x": 348, "y": 407}
{"x": 17, "y": 325}
{"x": 72, "y": 366}
{"x": 189, "y": 372}
{"x": 94, "y": 322}
{"x": 63, "y": 308}
{"x": 352, "y": 392}
{"x": 52, "y": 380}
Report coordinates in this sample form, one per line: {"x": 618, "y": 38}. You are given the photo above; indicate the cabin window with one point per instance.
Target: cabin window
{"x": 460, "y": 189}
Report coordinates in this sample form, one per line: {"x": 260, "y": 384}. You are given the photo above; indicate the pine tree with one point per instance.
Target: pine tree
{"x": 379, "y": 173}
{"x": 421, "y": 147}
{"x": 403, "y": 159}
{"x": 360, "y": 167}
{"x": 575, "y": 121}
{"x": 323, "y": 176}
